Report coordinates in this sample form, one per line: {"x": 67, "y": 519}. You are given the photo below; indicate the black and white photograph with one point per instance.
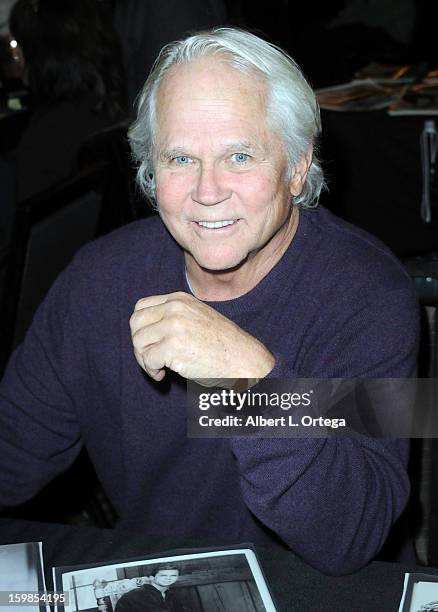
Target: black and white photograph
{"x": 21, "y": 573}
{"x": 420, "y": 593}
{"x": 225, "y": 580}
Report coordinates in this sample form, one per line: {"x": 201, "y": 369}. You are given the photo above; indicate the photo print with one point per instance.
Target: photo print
{"x": 420, "y": 593}
{"x": 214, "y": 581}
{"x": 21, "y": 576}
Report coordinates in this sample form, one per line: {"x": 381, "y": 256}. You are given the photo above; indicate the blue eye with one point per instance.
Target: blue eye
{"x": 183, "y": 159}
{"x": 240, "y": 158}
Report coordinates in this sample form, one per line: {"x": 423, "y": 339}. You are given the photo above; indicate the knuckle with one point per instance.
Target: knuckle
{"x": 174, "y": 307}
{"x": 152, "y": 358}
{"x": 138, "y": 357}
{"x": 177, "y": 366}
{"x": 146, "y": 359}
{"x": 137, "y": 339}
{"x": 133, "y": 320}
{"x": 140, "y": 303}
{"x": 174, "y": 326}
{"x": 173, "y": 343}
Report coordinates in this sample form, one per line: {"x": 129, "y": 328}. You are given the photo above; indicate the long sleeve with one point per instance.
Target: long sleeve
{"x": 39, "y": 432}
{"x": 333, "y": 501}
{"x": 75, "y": 381}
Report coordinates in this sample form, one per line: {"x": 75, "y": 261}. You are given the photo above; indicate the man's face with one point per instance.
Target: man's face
{"x": 165, "y": 578}
{"x": 222, "y": 187}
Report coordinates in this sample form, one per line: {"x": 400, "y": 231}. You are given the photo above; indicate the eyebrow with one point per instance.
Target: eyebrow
{"x": 240, "y": 147}
{"x": 171, "y": 153}
{"x": 244, "y": 146}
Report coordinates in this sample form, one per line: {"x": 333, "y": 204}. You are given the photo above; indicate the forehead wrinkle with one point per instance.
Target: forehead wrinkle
{"x": 200, "y": 82}
{"x": 203, "y": 73}
{"x": 259, "y": 143}
{"x": 191, "y": 97}
{"x": 195, "y": 109}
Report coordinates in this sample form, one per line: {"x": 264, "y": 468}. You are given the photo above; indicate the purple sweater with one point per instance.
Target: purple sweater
{"x": 336, "y": 305}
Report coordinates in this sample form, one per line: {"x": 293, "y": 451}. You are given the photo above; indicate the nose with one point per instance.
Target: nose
{"x": 210, "y": 188}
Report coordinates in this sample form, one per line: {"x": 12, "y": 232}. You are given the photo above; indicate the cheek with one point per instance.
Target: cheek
{"x": 261, "y": 192}
{"x": 172, "y": 190}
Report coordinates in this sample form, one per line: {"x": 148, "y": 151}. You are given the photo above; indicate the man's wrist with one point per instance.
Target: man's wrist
{"x": 265, "y": 362}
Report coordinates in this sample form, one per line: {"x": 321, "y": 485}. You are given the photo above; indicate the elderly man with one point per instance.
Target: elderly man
{"x": 240, "y": 276}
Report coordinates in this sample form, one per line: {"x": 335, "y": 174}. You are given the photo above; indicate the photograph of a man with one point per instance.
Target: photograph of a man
{"x": 154, "y": 596}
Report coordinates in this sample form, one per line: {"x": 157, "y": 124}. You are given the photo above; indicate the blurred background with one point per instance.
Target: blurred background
{"x": 81, "y": 64}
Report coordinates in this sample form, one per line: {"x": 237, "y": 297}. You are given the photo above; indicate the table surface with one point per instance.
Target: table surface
{"x": 294, "y": 584}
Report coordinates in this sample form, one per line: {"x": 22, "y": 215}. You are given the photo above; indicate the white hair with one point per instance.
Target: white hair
{"x": 292, "y": 109}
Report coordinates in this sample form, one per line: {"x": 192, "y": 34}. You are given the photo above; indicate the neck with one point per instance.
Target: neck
{"x": 217, "y": 286}
{"x": 160, "y": 588}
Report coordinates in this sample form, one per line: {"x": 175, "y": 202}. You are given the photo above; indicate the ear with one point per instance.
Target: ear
{"x": 298, "y": 179}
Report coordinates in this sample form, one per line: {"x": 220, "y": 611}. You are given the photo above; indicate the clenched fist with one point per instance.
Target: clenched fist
{"x": 179, "y": 332}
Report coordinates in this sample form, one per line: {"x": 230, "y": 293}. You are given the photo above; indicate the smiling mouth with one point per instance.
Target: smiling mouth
{"x": 216, "y": 224}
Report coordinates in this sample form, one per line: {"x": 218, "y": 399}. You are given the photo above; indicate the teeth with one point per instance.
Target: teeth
{"x": 213, "y": 224}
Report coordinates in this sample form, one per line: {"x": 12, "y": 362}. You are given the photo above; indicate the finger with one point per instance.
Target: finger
{"x": 145, "y": 317}
{"x": 154, "y": 300}
{"x": 146, "y": 335}
{"x": 151, "y": 300}
{"x": 159, "y": 375}
{"x": 175, "y": 305}
{"x": 155, "y": 373}
{"x": 153, "y": 357}
{"x": 153, "y": 362}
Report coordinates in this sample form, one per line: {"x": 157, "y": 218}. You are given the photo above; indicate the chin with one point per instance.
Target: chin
{"x": 217, "y": 263}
